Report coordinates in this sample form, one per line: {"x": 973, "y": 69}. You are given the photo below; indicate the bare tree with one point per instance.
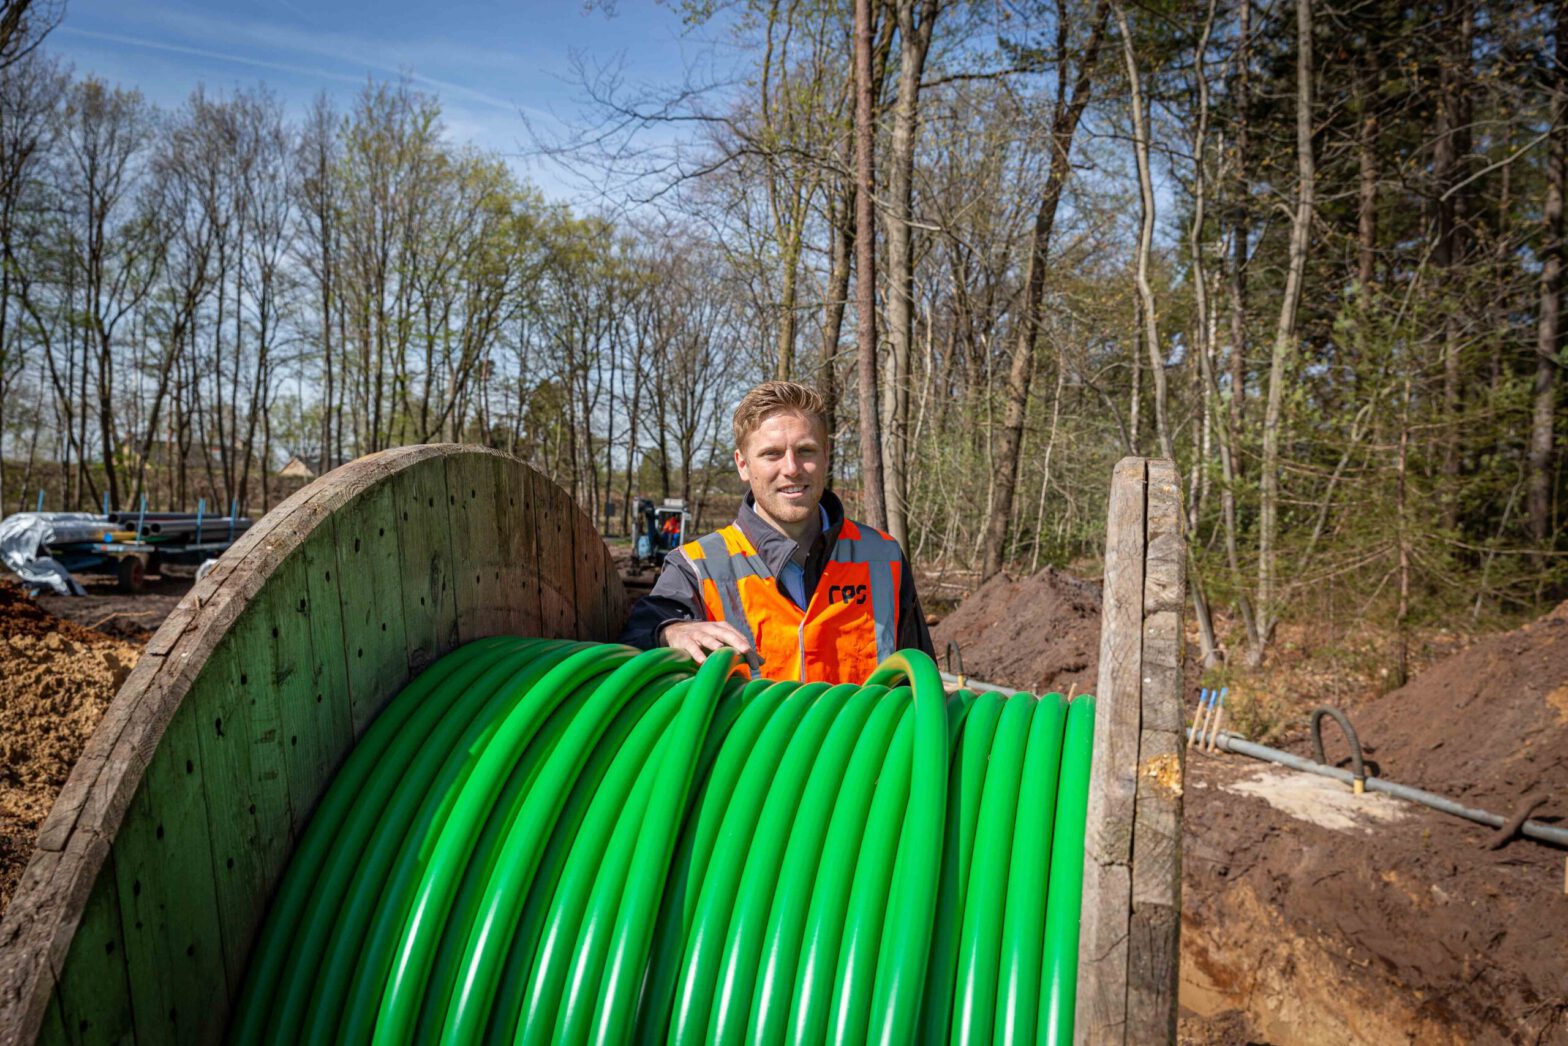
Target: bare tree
{"x": 915, "y": 19}
{"x": 1072, "y": 97}
{"x": 23, "y": 26}
{"x": 873, "y": 504}
{"x": 1285, "y": 335}
{"x": 1549, "y": 332}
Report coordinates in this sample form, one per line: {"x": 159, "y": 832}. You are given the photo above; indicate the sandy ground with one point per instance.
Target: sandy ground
{"x": 56, "y": 679}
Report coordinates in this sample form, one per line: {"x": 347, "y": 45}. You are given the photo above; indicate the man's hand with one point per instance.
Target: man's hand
{"x": 698, "y": 639}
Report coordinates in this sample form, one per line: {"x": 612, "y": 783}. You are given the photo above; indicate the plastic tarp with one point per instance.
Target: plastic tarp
{"x": 24, "y": 546}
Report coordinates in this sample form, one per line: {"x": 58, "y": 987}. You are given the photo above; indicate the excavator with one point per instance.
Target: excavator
{"x": 661, "y": 530}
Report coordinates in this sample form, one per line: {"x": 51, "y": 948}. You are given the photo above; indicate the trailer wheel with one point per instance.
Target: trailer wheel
{"x": 132, "y": 573}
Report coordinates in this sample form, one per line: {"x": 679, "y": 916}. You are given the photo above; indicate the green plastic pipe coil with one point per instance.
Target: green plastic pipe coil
{"x": 541, "y": 841}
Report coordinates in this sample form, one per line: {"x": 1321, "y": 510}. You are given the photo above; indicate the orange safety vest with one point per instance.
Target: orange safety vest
{"x": 849, "y": 626}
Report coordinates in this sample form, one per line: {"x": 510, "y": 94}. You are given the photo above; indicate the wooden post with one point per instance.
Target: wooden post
{"x": 1129, "y": 941}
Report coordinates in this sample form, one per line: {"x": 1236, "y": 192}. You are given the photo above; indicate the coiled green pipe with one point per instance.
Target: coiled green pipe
{"x": 543, "y": 841}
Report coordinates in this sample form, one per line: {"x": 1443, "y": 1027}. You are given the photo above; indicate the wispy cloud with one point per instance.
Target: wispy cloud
{"x": 412, "y": 59}
{"x": 219, "y": 56}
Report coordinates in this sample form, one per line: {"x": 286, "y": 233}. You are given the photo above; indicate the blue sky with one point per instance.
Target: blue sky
{"x": 490, "y": 63}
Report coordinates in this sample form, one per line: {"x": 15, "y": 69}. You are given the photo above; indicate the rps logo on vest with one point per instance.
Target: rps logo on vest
{"x": 847, "y": 593}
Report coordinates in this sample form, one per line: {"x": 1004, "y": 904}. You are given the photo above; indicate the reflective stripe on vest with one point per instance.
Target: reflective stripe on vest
{"x": 719, "y": 566}
{"x": 849, "y": 626}
{"x": 879, "y": 553}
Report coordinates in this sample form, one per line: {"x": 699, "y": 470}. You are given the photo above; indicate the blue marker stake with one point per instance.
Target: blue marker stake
{"x": 1197, "y": 720}
{"x": 1219, "y": 717}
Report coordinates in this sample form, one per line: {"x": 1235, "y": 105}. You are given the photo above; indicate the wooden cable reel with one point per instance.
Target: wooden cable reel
{"x": 135, "y": 917}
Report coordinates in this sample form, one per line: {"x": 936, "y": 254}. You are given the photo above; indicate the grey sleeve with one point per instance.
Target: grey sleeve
{"x": 913, "y": 633}
{"x": 676, "y": 596}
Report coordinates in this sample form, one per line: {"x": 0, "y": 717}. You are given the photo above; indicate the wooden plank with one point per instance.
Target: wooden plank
{"x": 244, "y": 779}
{"x": 557, "y": 539}
{"x": 167, "y": 897}
{"x": 1155, "y": 924}
{"x": 591, "y": 573}
{"x": 476, "y": 554}
{"x": 328, "y": 709}
{"x": 93, "y": 987}
{"x": 1113, "y": 779}
{"x": 370, "y": 594}
{"x": 1101, "y": 994}
{"x": 26, "y": 972}
{"x": 172, "y": 660}
{"x": 1152, "y": 960}
{"x": 520, "y": 544}
{"x": 1156, "y": 849}
{"x": 53, "y": 1030}
{"x": 425, "y": 548}
{"x": 1165, "y": 575}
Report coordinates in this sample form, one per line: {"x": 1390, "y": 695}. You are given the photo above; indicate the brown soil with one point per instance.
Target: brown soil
{"x": 56, "y": 679}
{"x": 1399, "y": 927}
{"x": 1041, "y": 633}
{"x": 1392, "y": 932}
{"x": 104, "y": 609}
{"x": 1488, "y": 725}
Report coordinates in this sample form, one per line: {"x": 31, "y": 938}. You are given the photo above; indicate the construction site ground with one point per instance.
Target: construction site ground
{"x": 1310, "y": 915}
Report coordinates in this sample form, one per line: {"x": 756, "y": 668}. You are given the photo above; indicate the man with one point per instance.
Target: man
{"x": 804, "y": 592}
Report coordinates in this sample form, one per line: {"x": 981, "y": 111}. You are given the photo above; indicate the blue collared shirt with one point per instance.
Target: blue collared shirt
{"x": 793, "y": 577}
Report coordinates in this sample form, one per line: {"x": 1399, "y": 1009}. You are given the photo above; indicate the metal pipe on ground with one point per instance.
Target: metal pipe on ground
{"x": 969, "y": 684}
{"x": 1533, "y": 829}
{"x": 181, "y": 528}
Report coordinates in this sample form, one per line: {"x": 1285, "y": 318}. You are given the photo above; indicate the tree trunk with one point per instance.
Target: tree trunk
{"x": 873, "y": 507}
{"x": 1452, "y": 147}
{"x": 1285, "y": 335}
{"x": 1549, "y": 333}
{"x": 1148, "y": 315}
{"x": 1241, "y": 225}
{"x": 914, "y": 36}
{"x": 1064, "y": 125}
{"x": 786, "y": 343}
{"x": 833, "y": 313}
{"x": 1366, "y": 203}
{"x": 1201, "y": 341}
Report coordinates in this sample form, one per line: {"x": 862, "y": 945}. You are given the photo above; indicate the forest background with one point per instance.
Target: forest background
{"x": 1311, "y": 250}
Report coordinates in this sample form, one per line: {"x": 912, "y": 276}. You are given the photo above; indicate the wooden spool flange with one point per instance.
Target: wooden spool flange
{"x": 135, "y": 916}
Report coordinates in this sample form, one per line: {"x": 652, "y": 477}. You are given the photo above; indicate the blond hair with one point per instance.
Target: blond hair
{"x": 776, "y": 397}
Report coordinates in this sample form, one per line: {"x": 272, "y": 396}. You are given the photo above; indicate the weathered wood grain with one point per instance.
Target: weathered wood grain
{"x": 555, "y": 535}
{"x": 93, "y": 986}
{"x": 1132, "y": 859}
{"x": 1154, "y": 941}
{"x": 1152, "y": 960}
{"x": 370, "y": 592}
{"x": 245, "y": 779}
{"x": 518, "y": 517}
{"x": 429, "y": 612}
{"x": 477, "y": 544}
{"x": 1101, "y": 997}
{"x": 296, "y": 639}
{"x": 168, "y": 899}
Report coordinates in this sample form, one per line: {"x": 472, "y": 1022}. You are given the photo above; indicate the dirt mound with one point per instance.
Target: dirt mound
{"x": 1488, "y": 725}
{"x": 1040, "y": 633}
{"x": 56, "y": 680}
{"x": 1394, "y": 930}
